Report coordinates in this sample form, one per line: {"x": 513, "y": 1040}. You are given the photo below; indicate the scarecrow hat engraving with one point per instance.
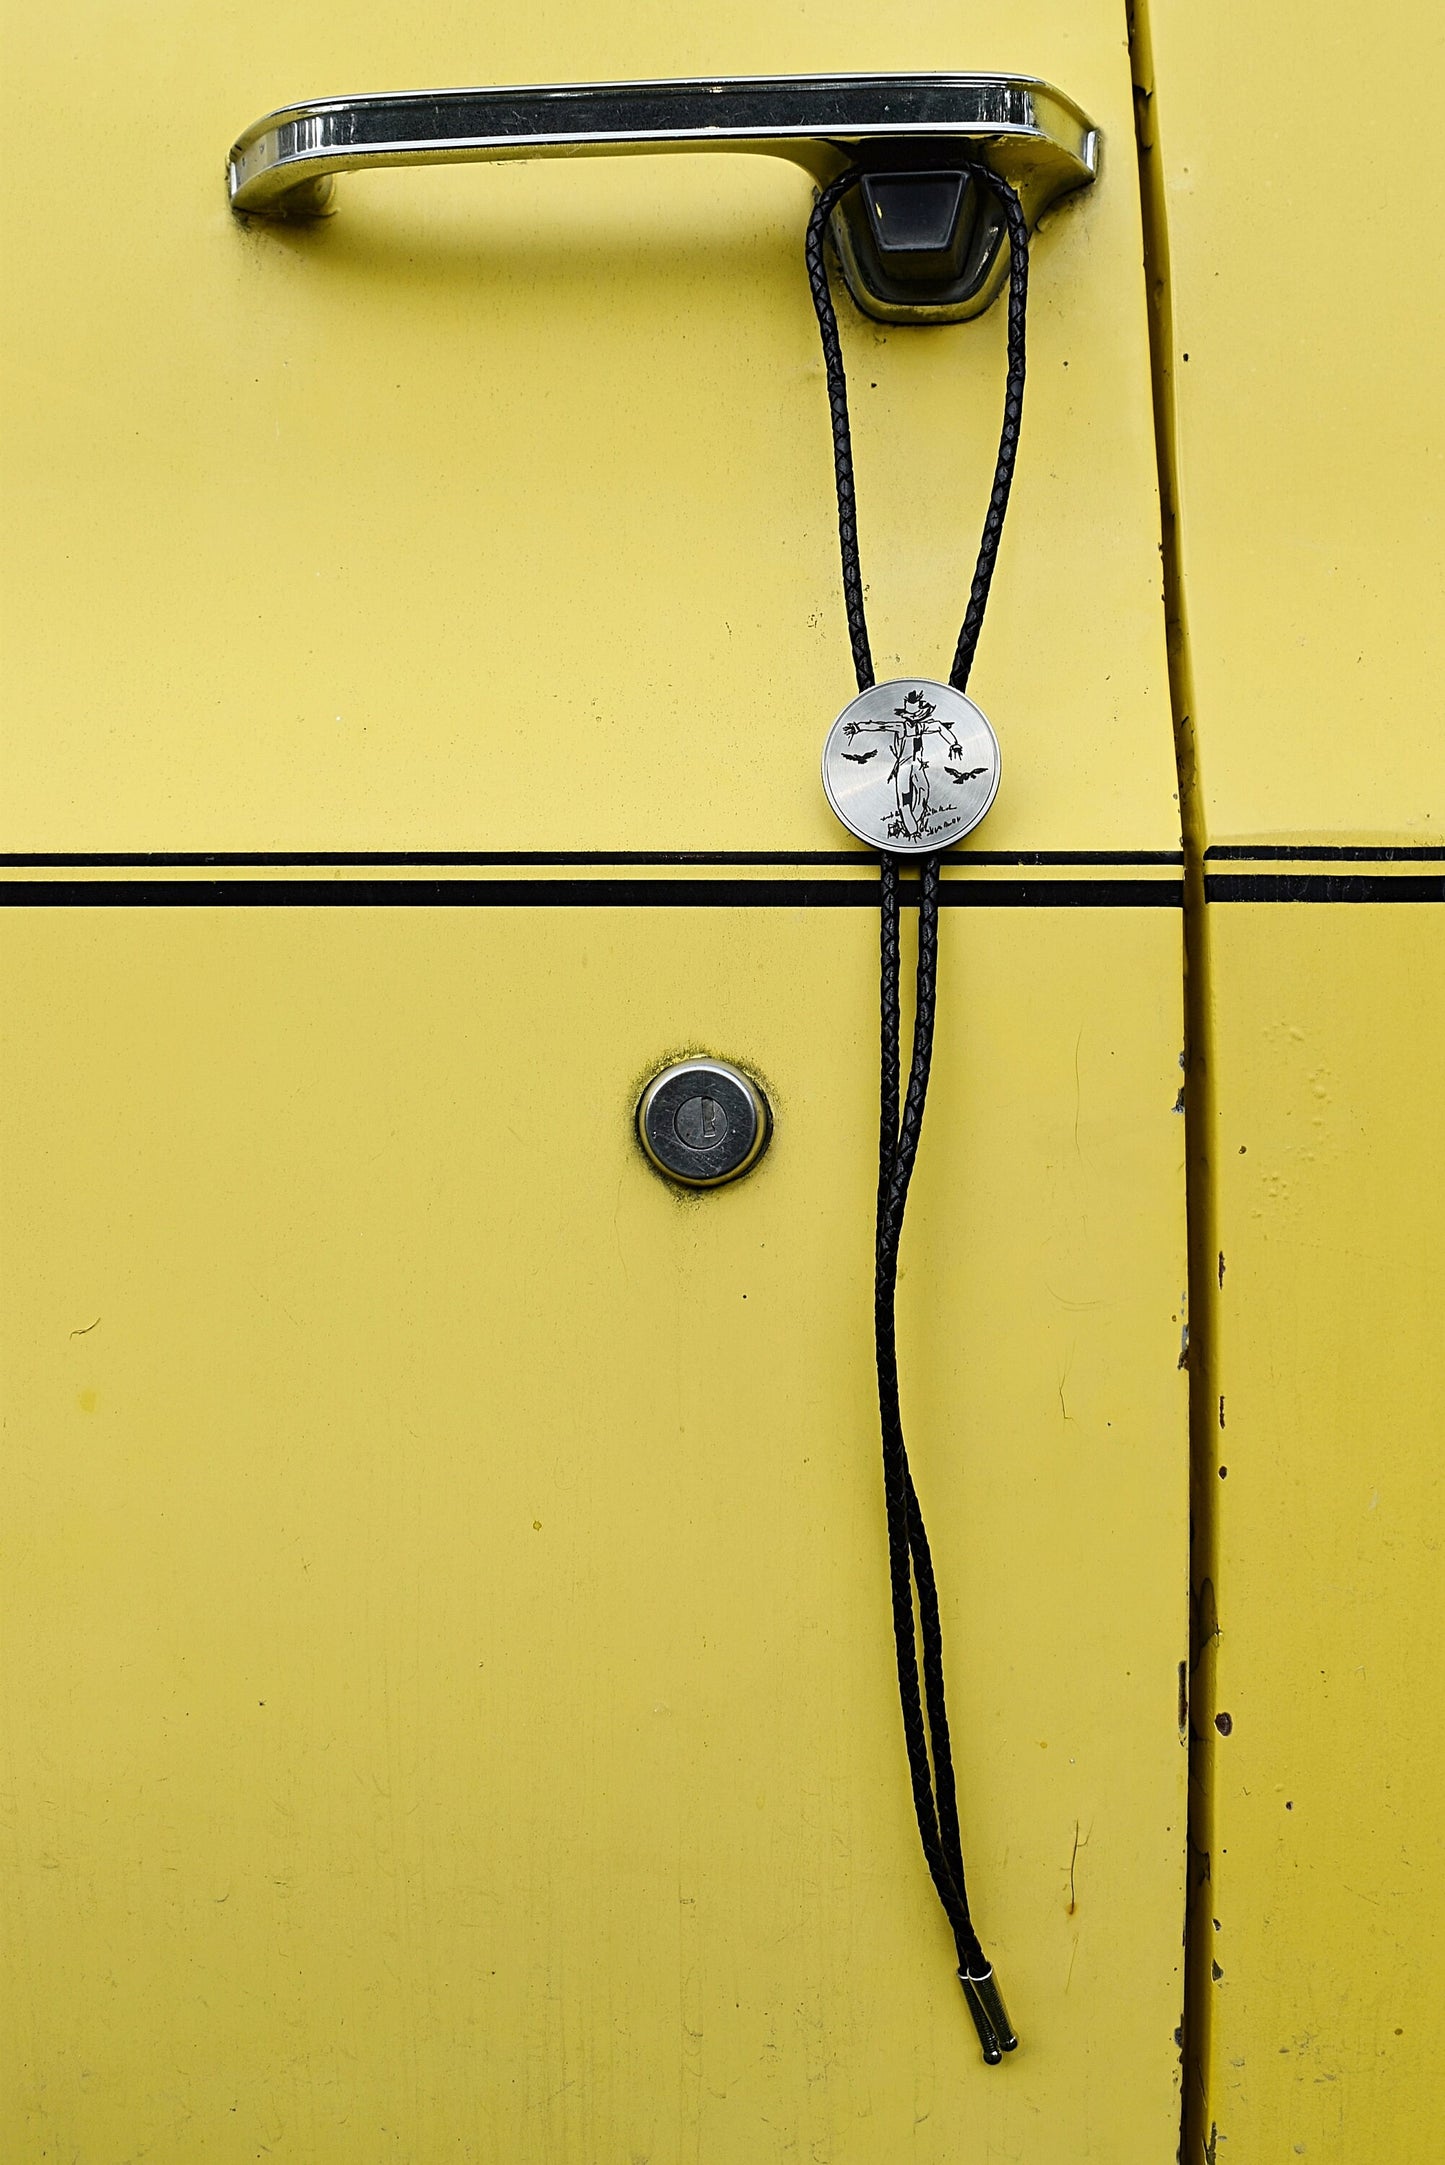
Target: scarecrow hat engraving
{"x": 915, "y": 708}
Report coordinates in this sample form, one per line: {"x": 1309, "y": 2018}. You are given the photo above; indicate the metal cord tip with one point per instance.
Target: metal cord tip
{"x": 996, "y": 2033}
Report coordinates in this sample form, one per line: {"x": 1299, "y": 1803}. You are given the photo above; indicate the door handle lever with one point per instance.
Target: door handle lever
{"x": 919, "y": 241}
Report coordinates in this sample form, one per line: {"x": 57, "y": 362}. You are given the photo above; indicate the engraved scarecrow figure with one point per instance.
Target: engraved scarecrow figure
{"x": 908, "y": 733}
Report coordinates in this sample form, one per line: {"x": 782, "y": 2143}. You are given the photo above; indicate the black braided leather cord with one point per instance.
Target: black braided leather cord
{"x": 1008, "y": 442}
{"x": 910, "y": 1561}
{"x": 838, "y": 413}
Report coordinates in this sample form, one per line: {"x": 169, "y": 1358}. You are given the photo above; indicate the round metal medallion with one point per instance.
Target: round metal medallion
{"x": 702, "y": 1122}
{"x": 911, "y": 766}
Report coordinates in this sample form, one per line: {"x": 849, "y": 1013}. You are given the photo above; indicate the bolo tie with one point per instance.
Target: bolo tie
{"x": 910, "y": 767}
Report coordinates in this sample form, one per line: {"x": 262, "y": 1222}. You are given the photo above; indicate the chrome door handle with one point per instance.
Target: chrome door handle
{"x": 919, "y": 242}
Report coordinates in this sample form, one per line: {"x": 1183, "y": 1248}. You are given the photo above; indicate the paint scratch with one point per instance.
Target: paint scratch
{"x": 1081, "y": 1841}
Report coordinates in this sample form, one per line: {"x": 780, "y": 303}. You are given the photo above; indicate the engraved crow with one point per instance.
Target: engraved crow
{"x": 861, "y": 759}
{"x": 967, "y": 774}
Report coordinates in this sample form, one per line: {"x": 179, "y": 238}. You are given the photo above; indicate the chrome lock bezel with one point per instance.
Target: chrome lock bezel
{"x": 746, "y": 1135}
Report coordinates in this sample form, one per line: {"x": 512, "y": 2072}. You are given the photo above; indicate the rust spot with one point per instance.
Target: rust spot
{"x": 1224, "y": 1723}
{"x": 1221, "y": 1269}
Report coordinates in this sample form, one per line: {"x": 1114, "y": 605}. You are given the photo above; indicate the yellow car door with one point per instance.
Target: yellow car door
{"x": 450, "y": 1708}
{"x": 1301, "y": 413}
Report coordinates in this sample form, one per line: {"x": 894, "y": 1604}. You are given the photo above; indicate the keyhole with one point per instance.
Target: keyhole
{"x": 701, "y": 1123}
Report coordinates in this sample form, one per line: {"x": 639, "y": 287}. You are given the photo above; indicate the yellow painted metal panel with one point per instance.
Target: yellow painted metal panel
{"x": 1309, "y": 314}
{"x": 1324, "y": 1951}
{"x": 449, "y": 1688}
{"x": 300, "y": 524}
{"x": 450, "y": 1710}
{"x": 1304, "y": 393}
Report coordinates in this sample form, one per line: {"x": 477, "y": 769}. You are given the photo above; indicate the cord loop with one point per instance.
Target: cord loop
{"x": 910, "y": 1561}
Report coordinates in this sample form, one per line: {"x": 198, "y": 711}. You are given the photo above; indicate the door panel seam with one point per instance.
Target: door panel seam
{"x": 1196, "y": 2132}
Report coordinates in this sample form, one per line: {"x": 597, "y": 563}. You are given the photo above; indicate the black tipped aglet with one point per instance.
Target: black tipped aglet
{"x": 990, "y": 2016}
